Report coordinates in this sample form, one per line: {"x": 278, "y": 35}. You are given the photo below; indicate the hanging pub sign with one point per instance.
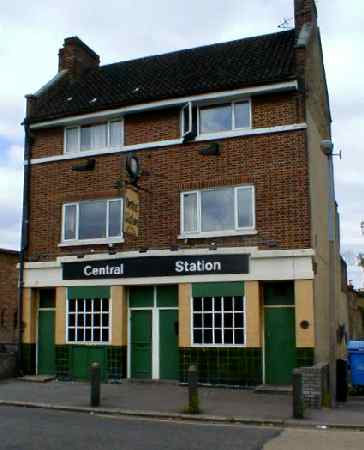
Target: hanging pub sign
{"x": 131, "y": 211}
{"x": 156, "y": 266}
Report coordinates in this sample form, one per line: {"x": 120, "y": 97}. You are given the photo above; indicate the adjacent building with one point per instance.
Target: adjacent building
{"x": 181, "y": 210}
{"x": 8, "y": 297}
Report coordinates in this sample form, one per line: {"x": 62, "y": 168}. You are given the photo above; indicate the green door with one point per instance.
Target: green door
{"x": 168, "y": 344}
{"x": 46, "y": 349}
{"x": 280, "y": 345}
{"x": 141, "y": 344}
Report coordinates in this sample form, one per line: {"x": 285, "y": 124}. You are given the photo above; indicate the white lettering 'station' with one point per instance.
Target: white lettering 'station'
{"x": 198, "y": 266}
{"x": 107, "y": 270}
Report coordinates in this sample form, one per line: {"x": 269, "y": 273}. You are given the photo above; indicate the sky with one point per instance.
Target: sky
{"x": 31, "y": 34}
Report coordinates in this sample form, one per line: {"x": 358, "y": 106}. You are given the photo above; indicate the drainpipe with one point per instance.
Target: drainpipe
{"x": 327, "y": 147}
{"x": 24, "y": 236}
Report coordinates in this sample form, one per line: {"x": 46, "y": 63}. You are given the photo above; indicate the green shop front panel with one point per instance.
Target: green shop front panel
{"x": 141, "y": 344}
{"x": 46, "y": 347}
{"x": 168, "y": 344}
{"x": 82, "y": 356}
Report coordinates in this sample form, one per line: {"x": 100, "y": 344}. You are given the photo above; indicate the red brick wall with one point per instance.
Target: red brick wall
{"x": 47, "y": 142}
{"x": 8, "y": 296}
{"x": 276, "y": 164}
{"x": 277, "y": 109}
{"x": 152, "y": 126}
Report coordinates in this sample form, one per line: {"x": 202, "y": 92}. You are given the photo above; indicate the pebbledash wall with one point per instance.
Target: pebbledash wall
{"x": 8, "y": 296}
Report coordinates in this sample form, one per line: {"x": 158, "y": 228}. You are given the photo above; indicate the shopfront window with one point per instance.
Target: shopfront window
{"x": 218, "y": 320}
{"x": 88, "y": 320}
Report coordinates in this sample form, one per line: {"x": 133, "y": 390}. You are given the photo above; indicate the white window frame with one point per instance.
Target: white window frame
{"x": 89, "y": 343}
{"x": 236, "y": 231}
{"x": 107, "y": 240}
{"x": 233, "y": 129}
{"x": 189, "y": 106}
{"x": 95, "y": 150}
{"x": 193, "y": 344}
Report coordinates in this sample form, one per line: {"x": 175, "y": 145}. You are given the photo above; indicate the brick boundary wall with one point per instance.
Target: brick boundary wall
{"x": 315, "y": 384}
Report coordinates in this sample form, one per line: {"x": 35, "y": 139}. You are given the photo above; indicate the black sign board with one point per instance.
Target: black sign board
{"x": 156, "y": 266}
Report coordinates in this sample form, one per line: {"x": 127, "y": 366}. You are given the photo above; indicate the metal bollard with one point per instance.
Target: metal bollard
{"x": 298, "y": 399}
{"x": 193, "y": 397}
{"x": 95, "y": 384}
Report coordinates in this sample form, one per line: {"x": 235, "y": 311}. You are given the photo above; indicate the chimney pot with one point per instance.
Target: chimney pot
{"x": 305, "y": 12}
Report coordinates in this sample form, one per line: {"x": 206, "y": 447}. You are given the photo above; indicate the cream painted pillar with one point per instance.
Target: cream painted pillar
{"x": 30, "y": 307}
{"x": 61, "y": 299}
{"x": 184, "y": 314}
{"x": 253, "y": 314}
{"x": 303, "y": 290}
{"x": 119, "y": 316}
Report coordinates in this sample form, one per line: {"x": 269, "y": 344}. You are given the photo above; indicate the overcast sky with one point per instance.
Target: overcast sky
{"x": 31, "y": 34}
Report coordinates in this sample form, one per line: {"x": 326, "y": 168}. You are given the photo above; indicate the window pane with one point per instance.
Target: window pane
{"x": 72, "y": 140}
{"x": 207, "y": 320}
{"x": 239, "y": 320}
{"x": 228, "y": 337}
{"x": 197, "y": 320}
{"x": 207, "y": 337}
{"x": 197, "y": 304}
{"x": 228, "y": 320}
{"x": 218, "y": 337}
{"x": 115, "y": 218}
{"x": 190, "y": 212}
{"x": 215, "y": 118}
{"x": 88, "y": 335}
{"x": 228, "y": 304}
{"x": 217, "y": 303}
{"x": 115, "y": 133}
{"x": 186, "y": 119}
{"x": 218, "y": 322}
{"x": 207, "y": 304}
{"x": 242, "y": 115}
{"x": 97, "y": 335}
{"x": 105, "y": 335}
{"x": 245, "y": 207}
{"x": 71, "y": 335}
{"x": 85, "y": 138}
{"x": 217, "y": 210}
{"x": 92, "y": 221}
{"x": 80, "y": 334}
{"x": 239, "y": 336}
{"x": 71, "y": 320}
{"x": 70, "y": 213}
{"x": 99, "y": 136}
{"x": 238, "y": 303}
{"x": 71, "y": 305}
{"x": 97, "y": 304}
{"x": 97, "y": 320}
{"x": 197, "y": 336}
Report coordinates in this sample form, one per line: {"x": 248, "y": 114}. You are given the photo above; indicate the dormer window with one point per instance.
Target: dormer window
{"x": 93, "y": 137}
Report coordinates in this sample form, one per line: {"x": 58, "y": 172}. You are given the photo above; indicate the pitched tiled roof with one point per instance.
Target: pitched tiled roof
{"x": 218, "y": 67}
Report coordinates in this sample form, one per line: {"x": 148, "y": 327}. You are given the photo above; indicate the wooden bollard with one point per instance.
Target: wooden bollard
{"x": 95, "y": 384}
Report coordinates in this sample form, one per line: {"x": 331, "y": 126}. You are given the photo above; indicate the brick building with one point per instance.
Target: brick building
{"x": 180, "y": 209}
{"x": 8, "y": 296}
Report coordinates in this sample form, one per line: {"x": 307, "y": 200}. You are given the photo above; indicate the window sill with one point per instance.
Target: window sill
{"x": 213, "y": 234}
{"x": 219, "y": 345}
{"x": 102, "y": 241}
{"x": 88, "y": 344}
{"x": 93, "y": 151}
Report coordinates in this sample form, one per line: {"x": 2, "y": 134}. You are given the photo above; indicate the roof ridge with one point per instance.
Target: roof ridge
{"x": 199, "y": 47}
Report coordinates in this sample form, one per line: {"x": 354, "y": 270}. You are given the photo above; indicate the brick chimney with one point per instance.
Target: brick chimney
{"x": 76, "y": 57}
{"x": 305, "y": 12}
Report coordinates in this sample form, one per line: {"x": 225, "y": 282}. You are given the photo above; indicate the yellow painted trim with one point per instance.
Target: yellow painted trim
{"x": 30, "y": 307}
{"x": 304, "y": 311}
{"x": 61, "y": 299}
{"x": 184, "y": 319}
{"x": 253, "y": 314}
{"x": 119, "y": 316}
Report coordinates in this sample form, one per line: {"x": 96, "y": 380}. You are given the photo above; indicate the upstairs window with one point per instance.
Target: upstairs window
{"x": 96, "y": 221}
{"x": 225, "y": 117}
{"x": 93, "y": 137}
{"x": 218, "y": 212}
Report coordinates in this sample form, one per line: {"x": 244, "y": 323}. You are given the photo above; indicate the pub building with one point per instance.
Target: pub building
{"x": 178, "y": 210}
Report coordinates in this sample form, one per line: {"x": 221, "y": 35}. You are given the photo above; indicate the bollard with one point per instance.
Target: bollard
{"x": 193, "y": 398}
{"x": 298, "y": 399}
{"x": 95, "y": 384}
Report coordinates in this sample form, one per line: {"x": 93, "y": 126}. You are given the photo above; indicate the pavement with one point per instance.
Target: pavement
{"x": 168, "y": 400}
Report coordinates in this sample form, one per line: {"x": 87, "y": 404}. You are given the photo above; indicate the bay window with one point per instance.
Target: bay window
{"x": 95, "y": 220}
{"x": 218, "y": 212}
{"x": 93, "y": 137}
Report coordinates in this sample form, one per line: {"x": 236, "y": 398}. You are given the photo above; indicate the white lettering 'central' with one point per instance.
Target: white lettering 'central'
{"x": 90, "y": 271}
